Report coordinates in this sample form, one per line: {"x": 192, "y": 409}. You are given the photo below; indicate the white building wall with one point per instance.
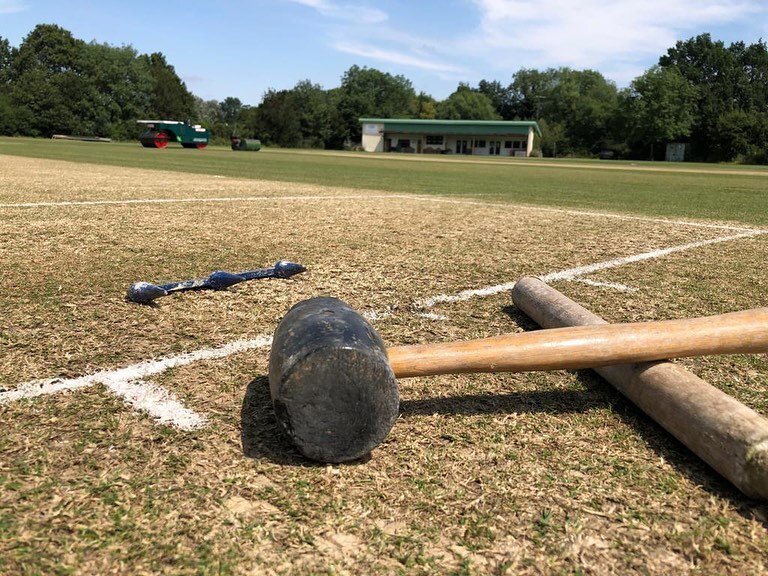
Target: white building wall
{"x": 529, "y": 148}
{"x": 373, "y": 137}
{"x": 375, "y": 140}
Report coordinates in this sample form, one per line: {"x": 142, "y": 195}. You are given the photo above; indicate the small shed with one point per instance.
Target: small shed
{"x": 677, "y": 152}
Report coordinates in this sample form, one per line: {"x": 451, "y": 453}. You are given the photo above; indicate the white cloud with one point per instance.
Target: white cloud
{"x": 614, "y": 36}
{"x": 350, "y": 12}
{"x": 350, "y": 35}
{"x": 11, "y": 6}
{"x": 394, "y": 57}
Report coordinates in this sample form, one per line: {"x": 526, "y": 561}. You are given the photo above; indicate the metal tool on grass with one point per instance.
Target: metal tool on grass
{"x": 146, "y": 292}
{"x": 333, "y": 385}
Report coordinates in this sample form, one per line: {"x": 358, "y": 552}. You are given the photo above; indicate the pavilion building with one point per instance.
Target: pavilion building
{"x": 483, "y": 137}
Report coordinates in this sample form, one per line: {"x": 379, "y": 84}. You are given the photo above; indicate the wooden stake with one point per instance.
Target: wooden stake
{"x": 723, "y": 432}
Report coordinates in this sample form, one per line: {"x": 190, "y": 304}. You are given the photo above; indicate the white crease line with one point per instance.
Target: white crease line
{"x": 126, "y": 382}
{"x": 427, "y": 303}
{"x": 157, "y": 402}
{"x": 615, "y": 286}
{"x": 573, "y": 273}
{"x": 187, "y": 200}
{"x": 373, "y": 315}
{"x": 584, "y": 213}
{"x": 415, "y": 197}
{"x": 432, "y": 316}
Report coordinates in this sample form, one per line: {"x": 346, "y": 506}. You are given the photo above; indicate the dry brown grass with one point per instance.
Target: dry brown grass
{"x": 540, "y": 473}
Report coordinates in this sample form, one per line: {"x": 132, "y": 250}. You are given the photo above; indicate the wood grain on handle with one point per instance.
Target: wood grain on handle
{"x": 588, "y": 346}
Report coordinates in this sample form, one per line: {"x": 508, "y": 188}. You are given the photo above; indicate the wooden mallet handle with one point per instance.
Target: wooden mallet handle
{"x": 588, "y": 346}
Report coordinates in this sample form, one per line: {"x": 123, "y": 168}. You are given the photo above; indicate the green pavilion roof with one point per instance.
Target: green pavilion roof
{"x": 473, "y": 127}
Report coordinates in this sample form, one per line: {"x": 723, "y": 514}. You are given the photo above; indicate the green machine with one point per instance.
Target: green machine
{"x": 160, "y": 132}
{"x": 245, "y": 144}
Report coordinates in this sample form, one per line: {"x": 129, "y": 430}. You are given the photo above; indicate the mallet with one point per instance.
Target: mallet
{"x": 333, "y": 385}
{"x": 146, "y": 292}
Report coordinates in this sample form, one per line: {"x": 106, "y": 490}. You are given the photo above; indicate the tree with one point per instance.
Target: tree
{"x": 7, "y": 54}
{"x": 582, "y": 102}
{"x": 423, "y": 107}
{"x": 14, "y": 119}
{"x": 367, "y": 92}
{"x": 278, "y": 120}
{"x": 337, "y": 135}
{"x": 585, "y": 103}
{"x": 719, "y": 77}
{"x": 753, "y": 85}
{"x": 662, "y": 106}
{"x": 500, "y": 96}
{"x": 314, "y": 114}
{"x": 120, "y": 85}
{"x": 208, "y": 111}
{"x": 231, "y": 108}
{"x": 553, "y": 138}
{"x": 530, "y": 93}
{"x": 170, "y": 98}
{"x": 49, "y": 81}
{"x": 744, "y": 134}
{"x": 467, "y": 104}
{"x": 249, "y": 124}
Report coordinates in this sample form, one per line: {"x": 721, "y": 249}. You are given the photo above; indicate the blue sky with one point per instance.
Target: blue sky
{"x": 242, "y": 48}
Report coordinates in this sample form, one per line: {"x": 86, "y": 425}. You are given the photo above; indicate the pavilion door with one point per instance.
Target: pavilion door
{"x": 461, "y": 146}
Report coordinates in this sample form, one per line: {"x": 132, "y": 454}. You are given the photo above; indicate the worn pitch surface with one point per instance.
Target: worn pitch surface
{"x": 528, "y": 473}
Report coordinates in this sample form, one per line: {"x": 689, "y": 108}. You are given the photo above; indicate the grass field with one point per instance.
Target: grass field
{"x": 734, "y": 193}
{"x": 541, "y": 473}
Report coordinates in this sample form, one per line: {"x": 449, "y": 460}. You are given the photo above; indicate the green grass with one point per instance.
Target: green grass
{"x": 718, "y": 192}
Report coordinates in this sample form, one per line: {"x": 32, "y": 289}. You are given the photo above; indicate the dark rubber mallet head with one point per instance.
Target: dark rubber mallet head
{"x": 331, "y": 383}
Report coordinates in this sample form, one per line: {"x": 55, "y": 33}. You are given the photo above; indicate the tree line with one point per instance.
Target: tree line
{"x": 706, "y": 93}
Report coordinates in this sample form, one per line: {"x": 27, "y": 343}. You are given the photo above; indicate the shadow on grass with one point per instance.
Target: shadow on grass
{"x": 674, "y": 452}
{"x": 263, "y": 437}
{"x": 520, "y": 318}
{"x": 531, "y": 402}
{"x": 261, "y": 433}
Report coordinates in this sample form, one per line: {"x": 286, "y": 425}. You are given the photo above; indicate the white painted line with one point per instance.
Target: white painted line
{"x": 375, "y": 196}
{"x": 432, "y": 316}
{"x": 573, "y": 273}
{"x": 531, "y": 208}
{"x": 129, "y": 383}
{"x": 157, "y": 402}
{"x": 427, "y": 303}
{"x": 655, "y": 220}
{"x": 186, "y": 200}
{"x": 613, "y": 285}
{"x": 150, "y": 398}
{"x": 373, "y": 315}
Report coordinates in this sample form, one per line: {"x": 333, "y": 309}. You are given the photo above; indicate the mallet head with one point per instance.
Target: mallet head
{"x": 286, "y": 269}
{"x": 331, "y": 383}
{"x": 145, "y": 292}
